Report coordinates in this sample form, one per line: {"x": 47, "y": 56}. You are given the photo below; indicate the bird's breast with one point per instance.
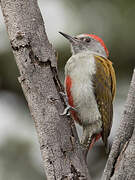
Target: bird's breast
{"x": 81, "y": 68}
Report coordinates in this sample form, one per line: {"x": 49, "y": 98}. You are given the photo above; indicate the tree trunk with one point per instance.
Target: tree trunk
{"x": 121, "y": 161}
{"x": 61, "y": 152}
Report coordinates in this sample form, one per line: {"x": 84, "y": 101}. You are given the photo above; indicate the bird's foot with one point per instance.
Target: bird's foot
{"x": 89, "y": 137}
{"x": 67, "y": 110}
{"x": 68, "y": 107}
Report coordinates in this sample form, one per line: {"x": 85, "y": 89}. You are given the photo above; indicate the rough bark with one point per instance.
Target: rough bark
{"x": 121, "y": 161}
{"x": 61, "y": 152}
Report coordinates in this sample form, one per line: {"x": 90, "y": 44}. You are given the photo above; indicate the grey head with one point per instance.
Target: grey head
{"x": 87, "y": 42}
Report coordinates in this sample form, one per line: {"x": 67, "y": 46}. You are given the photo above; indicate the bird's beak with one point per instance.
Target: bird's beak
{"x": 70, "y": 38}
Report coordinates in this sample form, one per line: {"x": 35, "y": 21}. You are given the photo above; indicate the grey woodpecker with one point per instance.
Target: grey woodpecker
{"x": 90, "y": 85}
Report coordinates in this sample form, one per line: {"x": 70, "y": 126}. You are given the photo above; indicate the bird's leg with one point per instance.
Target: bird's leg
{"x": 68, "y": 107}
{"x": 89, "y": 136}
{"x": 86, "y": 140}
{"x": 86, "y": 137}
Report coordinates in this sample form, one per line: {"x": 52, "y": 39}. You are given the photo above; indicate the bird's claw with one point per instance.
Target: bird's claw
{"x": 67, "y": 110}
{"x": 68, "y": 107}
{"x": 63, "y": 94}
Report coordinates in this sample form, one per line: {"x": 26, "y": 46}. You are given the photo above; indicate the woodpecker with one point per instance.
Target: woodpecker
{"x": 90, "y": 85}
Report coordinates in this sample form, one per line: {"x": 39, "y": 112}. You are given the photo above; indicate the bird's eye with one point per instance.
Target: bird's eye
{"x": 87, "y": 40}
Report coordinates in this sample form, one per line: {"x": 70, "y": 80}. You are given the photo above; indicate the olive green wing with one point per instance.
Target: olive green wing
{"x": 104, "y": 83}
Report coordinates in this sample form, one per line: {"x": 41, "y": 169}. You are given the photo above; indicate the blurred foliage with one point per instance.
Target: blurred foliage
{"x": 8, "y": 72}
{"x": 15, "y": 161}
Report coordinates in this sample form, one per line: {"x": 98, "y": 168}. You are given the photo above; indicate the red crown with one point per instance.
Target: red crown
{"x": 101, "y": 42}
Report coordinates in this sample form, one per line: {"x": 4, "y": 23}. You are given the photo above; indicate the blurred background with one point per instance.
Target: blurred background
{"x": 114, "y": 22}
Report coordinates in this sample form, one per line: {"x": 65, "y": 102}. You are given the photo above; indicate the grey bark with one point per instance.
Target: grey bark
{"x": 60, "y": 149}
{"x": 121, "y": 161}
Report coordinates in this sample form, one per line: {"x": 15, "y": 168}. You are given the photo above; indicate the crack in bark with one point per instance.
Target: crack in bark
{"x": 53, "y": 165}
{"x": 74, "y": 175}
{"x": 42, "y": 147}
{"x": 120, "y": 155}
{"x": 121, "y": 150}
{"x": 113, "y": 166}
{"x": 116, "y": 159}
{"x": 59, "y": 86}
{"x": 34, "y": 58}
{"x": 63, "y": 152}
{"x": 17, "y": 48}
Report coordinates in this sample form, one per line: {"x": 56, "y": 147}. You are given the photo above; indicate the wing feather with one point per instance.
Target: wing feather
{"x": 104, "y": 83}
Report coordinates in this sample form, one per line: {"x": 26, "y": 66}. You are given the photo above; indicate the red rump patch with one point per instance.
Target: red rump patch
{"x": 96, "y": 138}
{"x": 101, "y": 42}
{"x": 70, "y": 98}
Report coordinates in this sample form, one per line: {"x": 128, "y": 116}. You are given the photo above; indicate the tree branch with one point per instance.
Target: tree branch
{"x": 121, "y": 162}
{"x": 61, "y": 152}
